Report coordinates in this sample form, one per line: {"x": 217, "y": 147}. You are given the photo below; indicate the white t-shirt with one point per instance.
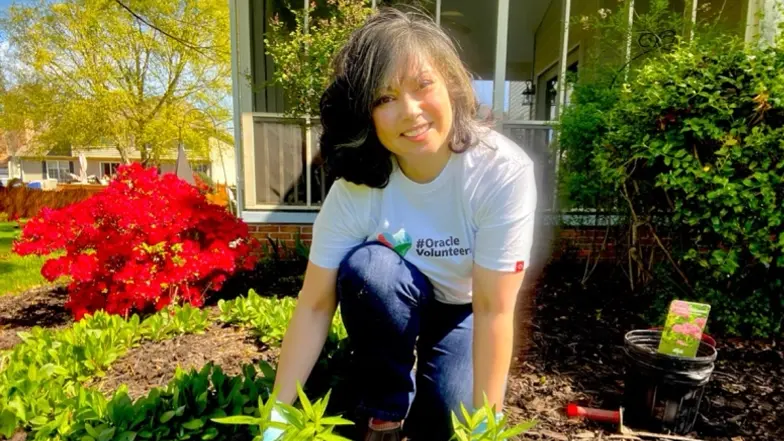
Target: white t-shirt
{"x": 480, "y": 209}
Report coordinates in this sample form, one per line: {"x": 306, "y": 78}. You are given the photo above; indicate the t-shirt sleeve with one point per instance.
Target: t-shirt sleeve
{"x": 340, "y": 224}
{"x": 505, "y": 222}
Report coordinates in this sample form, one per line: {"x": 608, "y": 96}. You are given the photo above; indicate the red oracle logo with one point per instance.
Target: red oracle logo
{"x": 519, "y": 266}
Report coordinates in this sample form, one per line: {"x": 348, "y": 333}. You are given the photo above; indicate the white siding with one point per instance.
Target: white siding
{"x": 223, "y": 168}
{"x": 32, "y": 170}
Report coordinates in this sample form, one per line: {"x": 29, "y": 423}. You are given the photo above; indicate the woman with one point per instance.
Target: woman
{"x": 422, "y": 240}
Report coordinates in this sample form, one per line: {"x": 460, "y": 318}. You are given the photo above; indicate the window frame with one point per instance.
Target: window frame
{"x": 62, "y": 174}
{"x": 110, "y": 164}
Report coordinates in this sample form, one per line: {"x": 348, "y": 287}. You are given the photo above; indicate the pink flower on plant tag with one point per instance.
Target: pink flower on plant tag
{"x": 681, "y": 343}
{"x": 681, "y": 308}
{"x": 700, "y": 322}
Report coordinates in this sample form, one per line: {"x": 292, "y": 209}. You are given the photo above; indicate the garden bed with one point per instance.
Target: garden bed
{"x": 153, "y": 363}
{"x": 576, "y": 355}
{"x": 570, "y": 351}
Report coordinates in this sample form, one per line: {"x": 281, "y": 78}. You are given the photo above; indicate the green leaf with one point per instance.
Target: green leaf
{"x": 193, "y": 424}
{"x": 303, "y": 399}
{"x": 239, "y": 419}
{"x": 209, "y": 434}
{"x": 517, "y": 430}
{"x": 107, "y": 434}
{"x": 168, "y": 415}
{"x": 335, "y": 421}
{"x": 126, "y": 436}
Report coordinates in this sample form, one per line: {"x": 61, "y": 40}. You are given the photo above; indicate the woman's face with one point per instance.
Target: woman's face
{"x": 414, "y": 117}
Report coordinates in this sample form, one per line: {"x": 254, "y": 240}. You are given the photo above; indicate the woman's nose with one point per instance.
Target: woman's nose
{"x": 411, "y": 105}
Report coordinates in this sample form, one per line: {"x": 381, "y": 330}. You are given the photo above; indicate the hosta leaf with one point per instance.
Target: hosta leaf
{"x": 209, "y": 434}
{"x": 168, "y": 415}
{"x": 193, "y": 424}
{"x": 126, "y": 436}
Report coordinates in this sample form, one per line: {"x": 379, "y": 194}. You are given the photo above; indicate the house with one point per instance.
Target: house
{"x": 518, "y": 51}
{"x": 61, "y": 163}
{"x": 4, "y": 159}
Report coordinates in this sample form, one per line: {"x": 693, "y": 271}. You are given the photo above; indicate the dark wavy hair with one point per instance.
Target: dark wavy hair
{"x": 370, "y": 60}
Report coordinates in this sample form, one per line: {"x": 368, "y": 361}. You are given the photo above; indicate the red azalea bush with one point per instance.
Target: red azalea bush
{"x": 145, "y": 241}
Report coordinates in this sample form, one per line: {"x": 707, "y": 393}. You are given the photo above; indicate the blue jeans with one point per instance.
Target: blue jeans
{"x": 389, "y": 309}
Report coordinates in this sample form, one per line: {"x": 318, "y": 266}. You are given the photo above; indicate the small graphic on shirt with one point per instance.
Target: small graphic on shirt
{"x": 519, "y": 266}
{"x": 400, "y": 241}
{"x": 449, "y": 247}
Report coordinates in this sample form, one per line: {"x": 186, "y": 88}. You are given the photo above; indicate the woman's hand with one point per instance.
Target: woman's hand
{"x": 494, "y": 299}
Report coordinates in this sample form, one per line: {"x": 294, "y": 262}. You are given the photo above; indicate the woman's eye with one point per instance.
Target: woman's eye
{"x": 383, "y": 100}
{"x": 425, "y": 83}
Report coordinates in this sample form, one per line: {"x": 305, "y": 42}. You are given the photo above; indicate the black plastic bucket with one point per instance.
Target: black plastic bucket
{"x": 662, "y": 393}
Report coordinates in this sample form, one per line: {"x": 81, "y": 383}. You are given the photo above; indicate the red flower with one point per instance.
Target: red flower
{"x": 145, "y": 241}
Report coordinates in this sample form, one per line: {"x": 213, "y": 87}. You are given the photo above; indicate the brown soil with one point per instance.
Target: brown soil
{"x": 153, "y": 364}
{"x": 37, "y": 307}
{"x": 570, "y": 351}
{"x": 575, "y": 354}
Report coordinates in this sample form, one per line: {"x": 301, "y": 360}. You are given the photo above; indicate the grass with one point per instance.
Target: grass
{"x": 17, "y": 273}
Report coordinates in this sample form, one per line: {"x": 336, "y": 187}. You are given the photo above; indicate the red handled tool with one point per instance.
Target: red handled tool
{"x": 604, "y": 416}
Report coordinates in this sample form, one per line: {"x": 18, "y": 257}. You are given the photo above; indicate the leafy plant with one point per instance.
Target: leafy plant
{"x": 693, "y": 149}
{"x": 269, "y": 317}
{"x": 145, "y": 241}
{"x": 485, "y": 425}
{"x": 308, "y": 423}
{"x": 41, "y": 379}
{"x": 175, "y": 320}
{"x": 185, "y": 409}
{"x": 303, "y": 56}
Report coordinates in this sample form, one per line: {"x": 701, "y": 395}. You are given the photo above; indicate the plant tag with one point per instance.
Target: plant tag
{"x": 683, "y": 329}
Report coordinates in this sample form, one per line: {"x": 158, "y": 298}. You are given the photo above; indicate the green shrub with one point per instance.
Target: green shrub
{"x": 269, "y": 317}
{"x": 184, "y": 409}
{"x": 693, "y": 146}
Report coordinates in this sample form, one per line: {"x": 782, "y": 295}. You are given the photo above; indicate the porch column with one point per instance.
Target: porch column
{"x": 690, "y": 18}
{"x": 236, "y": 95}
{"x": 564, "y": 59}
{"x": 762, "y": 21}
{"x": 499, "y": 79}
{"x": 629, "y": 35}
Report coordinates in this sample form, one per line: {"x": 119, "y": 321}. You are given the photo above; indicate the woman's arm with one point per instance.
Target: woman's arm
{"x": 494, "y": 298}
{"x": 307, "y": 331}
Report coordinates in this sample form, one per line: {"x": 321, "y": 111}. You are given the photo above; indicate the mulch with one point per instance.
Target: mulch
{"x": 570, "y": 350}
{"x": 43, "y": 306}
{"x": 574, "y": 353}
{"x": 153, "y": 364}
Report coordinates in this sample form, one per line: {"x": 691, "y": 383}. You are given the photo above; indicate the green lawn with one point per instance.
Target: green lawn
{"x": 17, "y": 273}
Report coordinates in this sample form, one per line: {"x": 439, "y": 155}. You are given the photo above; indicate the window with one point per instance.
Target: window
{"x": 109, "y": 169}
{"x": 202, "y": 167}
{"x": 58, "y": 170}
{"x": 285, "y": 165}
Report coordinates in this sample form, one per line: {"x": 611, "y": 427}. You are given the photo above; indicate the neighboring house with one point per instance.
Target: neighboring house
{"x": 59, "y": 164}
{"x": 517, "y": 49}
{"x": 4, "y": 159}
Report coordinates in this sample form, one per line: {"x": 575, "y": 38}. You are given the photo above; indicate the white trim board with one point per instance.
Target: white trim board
{"x": 279, "y": 217}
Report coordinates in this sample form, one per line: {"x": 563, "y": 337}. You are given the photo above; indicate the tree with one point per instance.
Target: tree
{"x": 97, "y": 72}
{"x": 303, "y": 56}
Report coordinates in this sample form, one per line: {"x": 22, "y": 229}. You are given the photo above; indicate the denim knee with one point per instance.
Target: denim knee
{"x": 375, "y": 269}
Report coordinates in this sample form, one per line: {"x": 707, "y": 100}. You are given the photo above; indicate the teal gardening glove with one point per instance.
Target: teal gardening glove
{"x": 482, "y": 427}
{"x": 273, "y": 434}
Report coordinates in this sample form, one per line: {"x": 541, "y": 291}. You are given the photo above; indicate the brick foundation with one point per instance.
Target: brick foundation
{"x": 579, "y": 242}
{"x": 284, "y": 233}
